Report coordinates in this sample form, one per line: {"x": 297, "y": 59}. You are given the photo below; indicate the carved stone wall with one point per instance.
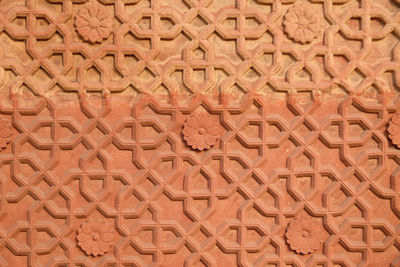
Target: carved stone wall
{"x": 199, "y": 133}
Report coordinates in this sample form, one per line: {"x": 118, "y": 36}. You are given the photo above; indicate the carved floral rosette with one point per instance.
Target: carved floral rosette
{"x": 95, "y": 237}
{"x": 200, "y": 132}
{"x": 394, "y": 129}
{"x": 94, "y": 23}
{"x": 5, "y": 133}
{"x": 302, "y": 23}
{"x": 304, "y": 235}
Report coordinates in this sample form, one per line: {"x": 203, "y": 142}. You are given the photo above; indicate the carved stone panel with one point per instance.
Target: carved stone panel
{"x": 199, "y": 133}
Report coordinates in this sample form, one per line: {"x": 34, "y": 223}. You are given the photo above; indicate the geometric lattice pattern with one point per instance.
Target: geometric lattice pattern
{"x": 226, "y": 206}
{"x": 184, "y": 47}
{"x": 97, "y": 93}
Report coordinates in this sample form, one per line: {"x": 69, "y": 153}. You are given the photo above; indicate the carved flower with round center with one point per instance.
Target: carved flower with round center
{"x": 394, "y": 129}
{"x": 94, "y": 23}
{"x": 302, "y": 23}
{"x": 200, "y": 131}
{"x": 304, "y": 235}
{"x": 95, "y": 237}
{"x": 5, "y": 133}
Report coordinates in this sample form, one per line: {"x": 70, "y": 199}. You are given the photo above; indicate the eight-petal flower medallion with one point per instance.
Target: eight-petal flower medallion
{"x": 394, "y": 129}
{"x": 304, "y": 235}
{"x": 5, "y": 133}
{"x": 302, "y": 23}
{"x": 95, "y": 237}
{"x": 94, "y": 23}
{"x": 200, "y": 131}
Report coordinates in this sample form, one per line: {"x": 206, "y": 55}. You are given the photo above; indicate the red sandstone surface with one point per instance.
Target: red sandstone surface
{"x": 200, "y": 133}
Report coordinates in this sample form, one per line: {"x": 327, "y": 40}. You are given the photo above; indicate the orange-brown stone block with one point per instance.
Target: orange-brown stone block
{"x": 200, "y": 133}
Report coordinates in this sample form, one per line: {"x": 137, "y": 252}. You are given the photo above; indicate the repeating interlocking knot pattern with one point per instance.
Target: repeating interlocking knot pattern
{"x": 199, "y": 133}
{"x": 127, "y": 165}
{"x": 186, "y": 47}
